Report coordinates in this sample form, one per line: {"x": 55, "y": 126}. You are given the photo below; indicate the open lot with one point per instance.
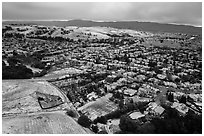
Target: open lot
{"x": 19, "y": 96}
{"x": 56, "y": 122}
{"x": 100, "y": 107}
{"x": 22, "y": 114}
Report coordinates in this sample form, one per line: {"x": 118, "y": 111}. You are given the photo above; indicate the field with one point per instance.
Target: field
{"x": 21, "y": 111}
{"x": 42, "y": 123}
{"x": 100, "y": 107}
{"x": 19, "y": 96}
{"x": 62, "y": 73}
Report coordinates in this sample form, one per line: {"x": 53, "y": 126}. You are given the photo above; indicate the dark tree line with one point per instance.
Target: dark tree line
{"x": 171, "y": 123}
{"x": 15, "y": 71}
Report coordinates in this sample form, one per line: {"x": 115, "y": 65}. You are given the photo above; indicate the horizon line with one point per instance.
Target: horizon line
{"x": 3, "y": 20}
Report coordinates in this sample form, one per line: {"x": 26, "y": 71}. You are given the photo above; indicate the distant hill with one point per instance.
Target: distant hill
{"x": 135, "y": 25}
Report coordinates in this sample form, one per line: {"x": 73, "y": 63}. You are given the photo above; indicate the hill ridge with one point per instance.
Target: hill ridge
{"x": 134, "y": 25}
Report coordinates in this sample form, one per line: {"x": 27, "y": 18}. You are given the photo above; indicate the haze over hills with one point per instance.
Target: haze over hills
{"x": 135, "y": 25}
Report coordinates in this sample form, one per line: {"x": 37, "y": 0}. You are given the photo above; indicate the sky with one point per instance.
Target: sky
{"x": 189, "y": 13}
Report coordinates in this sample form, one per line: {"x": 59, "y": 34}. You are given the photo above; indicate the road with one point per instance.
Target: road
{"x": 66, "y": 99}
{"x": 22, "y": 113}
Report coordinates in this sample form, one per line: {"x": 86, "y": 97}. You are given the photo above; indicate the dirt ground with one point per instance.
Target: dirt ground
{"x": 56, "y": 122}
{"x": 22, "y": 114}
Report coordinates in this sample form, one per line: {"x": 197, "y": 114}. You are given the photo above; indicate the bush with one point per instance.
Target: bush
{"x": 84, "y": 121}
{"x": 39, "y": 65}
{"x": 95, "y": 128}
{"x": 102, "y": 120}
{"x": 114, "y": 114}
{"x": 71, "y": 113}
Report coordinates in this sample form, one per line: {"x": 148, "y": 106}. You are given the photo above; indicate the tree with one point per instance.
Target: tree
{"x": 131, "y": 100}
{"x": 13, "y": 61}
{"x": 84, "y": 121}
{"x": 94, "y": 128}
{"x": 14, "y": 71}
{"x": 157, "y": 70}
{"x": 38, "y": 64}
{"x": 97, "y": 60}
{"x": 114, "y": 114}
{"x": 141, "y": 40}
{"x": 152, "y": 64}
{"x": 170, "y": 112}
{"x": 193, "y": 122}
{"x": 121, "y": 104}
{"x": 170, "y": 97}
{"x": 118, "y": 95}
{"x": 161, "y": 40}
{"x": 128, "y": 124}
{"x": 172, "y": 123}
{"x": 3, "y": 64}
{"x": 146, "y": 128}
{"x": 102, "y": 120}
{"x": 142, "y": 106}
{"x": 182, "y": 99}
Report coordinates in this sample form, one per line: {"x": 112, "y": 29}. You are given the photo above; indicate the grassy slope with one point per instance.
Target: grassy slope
{"x": 42, "y": 123}
{"x": 22, "y": 113}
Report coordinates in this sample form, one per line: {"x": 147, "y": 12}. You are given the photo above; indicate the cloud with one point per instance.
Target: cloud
{"x": 185, "y": 13}
{"x": 110, "y": 11}
{"x": 167, "y": 12}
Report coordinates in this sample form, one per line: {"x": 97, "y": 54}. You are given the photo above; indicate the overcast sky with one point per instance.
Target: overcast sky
{"x": 180, "y": 13}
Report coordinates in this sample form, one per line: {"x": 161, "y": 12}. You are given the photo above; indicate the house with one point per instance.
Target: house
{"x": 136, "y": 115}
{"x": 92, "y": 96}
{"x": 130, "y": 92}
{"x": 154, "y": 108}
{"x": 180, "y": 107}
{"x": 161, "y": 76}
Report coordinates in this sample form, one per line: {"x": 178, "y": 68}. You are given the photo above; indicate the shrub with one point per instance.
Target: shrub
{"x": 39, "y": 65}
{"x": 71, "y": 113}
{"x": 84, "y": 121}
{"x": 102, "y": 120}
{"x": 182, "y": 99}
{"x": 95, "y": 128}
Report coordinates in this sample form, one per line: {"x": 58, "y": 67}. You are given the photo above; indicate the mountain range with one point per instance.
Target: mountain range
{"x": 134, "y": 25}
